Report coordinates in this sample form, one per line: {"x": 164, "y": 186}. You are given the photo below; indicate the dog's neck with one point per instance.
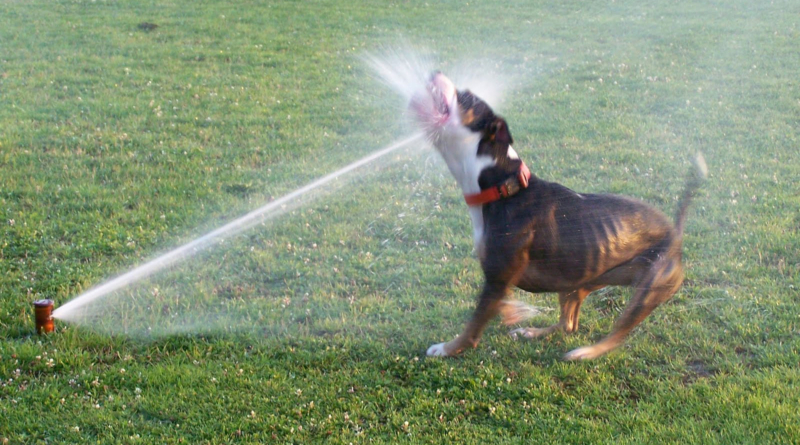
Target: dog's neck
{"x": 474, "y": 171}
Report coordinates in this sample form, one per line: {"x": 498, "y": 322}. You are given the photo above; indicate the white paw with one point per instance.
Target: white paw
{"x": 584, "y": 353}
{"x": 436, "y": 350}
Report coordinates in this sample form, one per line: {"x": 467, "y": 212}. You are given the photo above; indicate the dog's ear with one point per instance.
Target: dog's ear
{"x": 499, "y": 132}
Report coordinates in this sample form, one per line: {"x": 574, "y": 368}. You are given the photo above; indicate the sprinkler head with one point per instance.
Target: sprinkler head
{"x": 43, "y": 309}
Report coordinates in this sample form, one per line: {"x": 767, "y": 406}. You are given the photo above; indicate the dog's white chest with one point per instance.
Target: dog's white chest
{"x": 460, "y": 155}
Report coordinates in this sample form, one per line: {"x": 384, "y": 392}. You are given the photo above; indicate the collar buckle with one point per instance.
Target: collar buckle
{"x": 509, "y": 187}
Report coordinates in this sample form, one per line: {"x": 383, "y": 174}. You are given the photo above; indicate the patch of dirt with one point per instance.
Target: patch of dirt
{"x": 697, "y": 370}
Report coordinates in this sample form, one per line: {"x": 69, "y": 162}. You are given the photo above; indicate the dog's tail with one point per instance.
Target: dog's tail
{"x": 697, "y": 176}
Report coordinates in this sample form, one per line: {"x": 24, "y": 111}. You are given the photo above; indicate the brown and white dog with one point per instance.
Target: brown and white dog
{"x": 543, "y": 237}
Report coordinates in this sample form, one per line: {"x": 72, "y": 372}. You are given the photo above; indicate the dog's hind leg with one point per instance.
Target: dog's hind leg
{"x": 489, "y": 302}
{"x": 570, "y": 303}
{"x": 571, "y": 308}
{"x": 657, "y": 285}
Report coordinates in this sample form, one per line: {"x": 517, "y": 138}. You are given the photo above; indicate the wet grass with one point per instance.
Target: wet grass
{"x": 117, "y": 142}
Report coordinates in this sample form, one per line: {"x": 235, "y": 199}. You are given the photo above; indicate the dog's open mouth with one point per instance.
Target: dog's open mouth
{"x": 439, "y": 102}
{"x": 434, "y": 108}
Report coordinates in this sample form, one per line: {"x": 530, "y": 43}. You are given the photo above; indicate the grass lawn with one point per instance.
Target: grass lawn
{"x": 117, "y": 143}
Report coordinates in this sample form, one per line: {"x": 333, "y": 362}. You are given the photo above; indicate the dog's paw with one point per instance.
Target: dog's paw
{"x": 519, "y": 332}
{"x": 437, "y": 350}
{"x": 531, "y": 332}
{"x": 584, "y": 353}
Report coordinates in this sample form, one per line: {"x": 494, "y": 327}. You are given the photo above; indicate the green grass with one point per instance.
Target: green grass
{"x": 117, "y": 143}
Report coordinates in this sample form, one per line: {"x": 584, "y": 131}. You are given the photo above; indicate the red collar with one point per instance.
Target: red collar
{"x": 507, "y": 188}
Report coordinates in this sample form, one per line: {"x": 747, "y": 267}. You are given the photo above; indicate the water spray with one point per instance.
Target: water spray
{"x": 402, "y": 70}
{"x": 70, "y": 310}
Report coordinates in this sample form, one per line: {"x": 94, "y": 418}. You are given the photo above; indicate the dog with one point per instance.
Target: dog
{"x": 541, "y": 236}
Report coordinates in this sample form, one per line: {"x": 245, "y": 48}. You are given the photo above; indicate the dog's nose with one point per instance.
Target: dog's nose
{"x": 434, "y": 74}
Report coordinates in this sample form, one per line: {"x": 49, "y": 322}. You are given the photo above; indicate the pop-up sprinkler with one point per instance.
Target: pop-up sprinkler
{"x": 44, "y": 316}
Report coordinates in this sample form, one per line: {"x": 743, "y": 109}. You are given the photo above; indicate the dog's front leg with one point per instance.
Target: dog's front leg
{"x": 489, "y": 303}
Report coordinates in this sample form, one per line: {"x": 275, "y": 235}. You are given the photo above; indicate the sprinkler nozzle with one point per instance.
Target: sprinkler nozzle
{"x": 44, "y": 316}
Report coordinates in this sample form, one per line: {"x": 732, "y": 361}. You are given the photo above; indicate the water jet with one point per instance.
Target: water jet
{"x": 74, "y": 310}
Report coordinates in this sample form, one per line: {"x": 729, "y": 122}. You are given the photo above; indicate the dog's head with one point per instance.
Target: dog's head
{"x": 459, "y": 120}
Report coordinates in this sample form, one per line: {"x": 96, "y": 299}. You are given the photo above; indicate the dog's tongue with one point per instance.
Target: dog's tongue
{"x": 440, "y": 89}
{"x": 439, "y": 100}
{"x": 432, "y": 107}
{"x": 442, "y": 83}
